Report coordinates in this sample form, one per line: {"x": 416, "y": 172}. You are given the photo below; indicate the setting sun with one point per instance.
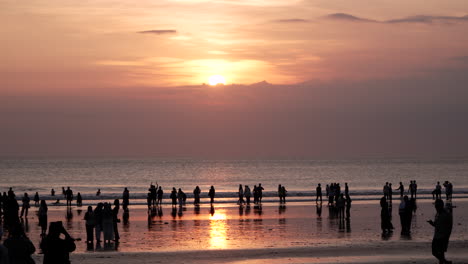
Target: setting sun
{"x": 216, "y": 79}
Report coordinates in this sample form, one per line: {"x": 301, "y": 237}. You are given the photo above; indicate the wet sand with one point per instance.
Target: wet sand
{"x": 294, "y": 233}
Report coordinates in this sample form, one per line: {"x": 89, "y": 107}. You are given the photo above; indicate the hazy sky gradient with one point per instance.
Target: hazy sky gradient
{"x": 349, "y": 78}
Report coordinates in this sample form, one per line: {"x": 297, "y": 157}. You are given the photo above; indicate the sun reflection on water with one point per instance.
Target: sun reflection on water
{"x": 218, "y": 227}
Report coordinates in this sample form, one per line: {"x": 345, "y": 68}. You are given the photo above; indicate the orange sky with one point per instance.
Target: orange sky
{"x": 136, "y": 54}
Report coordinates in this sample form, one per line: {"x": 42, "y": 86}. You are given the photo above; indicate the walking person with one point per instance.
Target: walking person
{"x": 25, "y": 206}
{"x": 318, "y": 193}
{"x": 212, "y": 194}
{"x": 442, "y": 224}
{"x": 36, "y": 199}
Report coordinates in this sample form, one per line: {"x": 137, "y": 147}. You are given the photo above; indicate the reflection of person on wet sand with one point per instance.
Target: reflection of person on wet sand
{"x": 442, "y": 230}
{"x": 319, "y": 209}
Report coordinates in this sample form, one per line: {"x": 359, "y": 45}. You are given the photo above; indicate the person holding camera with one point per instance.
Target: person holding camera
{"x": 57, "y": 250}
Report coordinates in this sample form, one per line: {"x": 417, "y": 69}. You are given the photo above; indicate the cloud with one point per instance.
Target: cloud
{"x": 291, "y": 20}
{"x": 424, "y": 19}
{"x": 348, "y": 17}
{"x": 158, "y": 31}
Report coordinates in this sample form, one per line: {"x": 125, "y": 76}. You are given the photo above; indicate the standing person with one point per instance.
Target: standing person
{"x": 57, "y": 250}
{"x": 385, "y": 191}
{"x": 385, "y": 219}
{"x": 79, "y": 199}
{"x": 69, "y": 196}
{"x": 406, "y": 212}
{"x": 390, "y": 193}
{"x": 401, "y": 188}
{"x": 318, "y": 192}
{"x": 115, "y": 219}
{"x": 212, "y": 194}
{"x": 327, "y": 190}
{"x": 25, "y": 207}
{"x": 20, "y": 248}
{"x": 247, "y": 194}
{"x": 160, "y": 195}
{"x": 340, "y": 205}
{"x": 448, "y": 190}
{"x": 43, "y": 217}
{"x": 411, "y": 189}
{"x": 415, "y": 187}
{"x": 52, "y": 192}
{"x": 36, "y": 199}
{"x": 283, "y": 193}
{"x": 107, "y": 223}
{"x": 125, "y": 198}
{"x": 196, "y": 195}
{"x": 241, "y": 195}
{"x": 348, "y": 207}
{"x": 442, "y": 224}
{"x": 90, "y": 224}
{"x": 260, "y": 192}
{"x": 173, "y": 196}
{"x": 153, "y": 190}
{"x": 438, "y": 191}
{"x": 346, "y": 189}
{"x": 98, "y": 193}
{"x": 98, "y": 211}
{"x": 255, "y": 194}
{"x": 181, "y": 197}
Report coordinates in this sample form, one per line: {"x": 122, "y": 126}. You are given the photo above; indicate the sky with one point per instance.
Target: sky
{"x": 304, "y": 78}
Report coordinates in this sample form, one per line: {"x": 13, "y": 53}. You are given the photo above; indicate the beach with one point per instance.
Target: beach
{"x": 296, "y": 232}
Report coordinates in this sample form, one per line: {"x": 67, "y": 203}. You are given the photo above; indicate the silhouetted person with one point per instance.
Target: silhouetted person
{"x": 406, "y": 212}
{"x": 346, "y": 189}
{"x": 90, "y": 224}
{"x": 153, "y": 191}
{"x": 149, "y": 201}
{"x": 36, "y": 199}
{"x": 318, "y": 193}
{"x": 160, "y": 195}
{"x": 283, "y": 192}
{"x": 385, "y": 219}
{"x": 173, "y": 196}
{"x": 11, "y": 193}
{"x": 390, "y": 193}
{"x": 181, "y": 197}
{"x": 255, "y": 194}
{"x": 4, "y": 259}
{"x": 196, "y": 195}
{"x": 260, "y": 192}
{"x": 125, "y": 198}
{"x": 442, "y": 224}
{"x": 20, "y": 248}
{"x": 412, "y": 189}
{"x": 52, "y": 192}
{"x": 98, "y": 193}
{"x": 401, "y": 188}
{"x": 107, "y": 223}
{"x": 43, "y": 209}
{"x": 241, "y": 195}
{"x": 79, "y": 200}
{"x": 348, "y": 206}
{"x": 11, "y": 209}
{"x": 247, "y": 194}
{"x": 69, "y": 195}
{"x": 115, "y": 219}
{"x": 340, "y": 205}
{"x": 98, "y": 211}
{"x": 25, "y": 206}
{"x": 57, "y": 250}
{"x": 385, "y": 191}
{"x": 212, "y": 194}
{"x": 448, "y": 190}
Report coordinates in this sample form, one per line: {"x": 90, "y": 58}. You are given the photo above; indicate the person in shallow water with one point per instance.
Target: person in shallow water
{"x": 212, "y": 194}
{"x": 442, "y": 224}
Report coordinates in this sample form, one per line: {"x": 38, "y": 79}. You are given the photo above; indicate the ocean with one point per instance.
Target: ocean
{"x": 365, "y": 177}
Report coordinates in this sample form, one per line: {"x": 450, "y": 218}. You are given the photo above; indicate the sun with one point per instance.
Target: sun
{"x": 216, "y": 79}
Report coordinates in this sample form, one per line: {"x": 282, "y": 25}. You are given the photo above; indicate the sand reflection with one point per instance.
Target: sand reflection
{"x": 218, "y": 230}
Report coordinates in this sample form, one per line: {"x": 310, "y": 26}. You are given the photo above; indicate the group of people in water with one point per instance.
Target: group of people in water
{"x": 102, "y": 221}
{"x": 443, "y": 220}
